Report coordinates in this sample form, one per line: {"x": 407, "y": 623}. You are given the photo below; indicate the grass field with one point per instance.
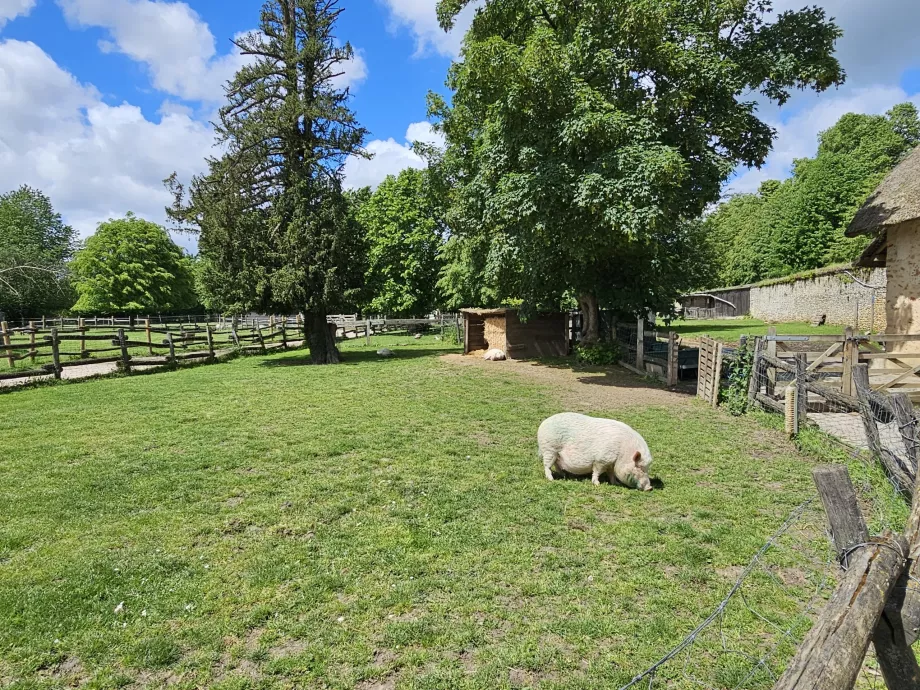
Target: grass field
{"x": 380, "y": 524}
{"x": 731, "y": 330}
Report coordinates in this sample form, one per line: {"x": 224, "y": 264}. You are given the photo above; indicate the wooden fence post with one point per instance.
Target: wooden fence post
{"x": 125, "y": 357}
{"x": 801, "y": 367}
{"x": 284, "y": 345}
{"x": 907, "y": 423}
{"x": 850, "y": 360}
{"x": 172, "y": 347}
{"x": 261, "y": 339}
{"x": 4, "y": 326}
{"x": 81, "y": 325}
{"x": 210, "y": 338}
{"x": 367, "y": 331}
{"x": 43, "y": 323}
{"x": 149, "y": 335}
{"x": 859, "y": 377}
{"x": 754, "y": 382}
{"x": 771, "y": 371}
{"x": 640, "y": 344}
{"x": 32, "y": 351}
{"x": 673, "y": 351}
{"x": 848, "y": 529}
{"x": 55, "y": 353}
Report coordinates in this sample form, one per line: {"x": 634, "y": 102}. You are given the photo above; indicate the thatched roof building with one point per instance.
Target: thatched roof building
{"x": 895, "y": 202}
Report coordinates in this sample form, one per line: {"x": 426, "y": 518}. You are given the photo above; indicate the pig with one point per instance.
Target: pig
{"x": 578, "y": 444}
{"x": 494, "y": 355}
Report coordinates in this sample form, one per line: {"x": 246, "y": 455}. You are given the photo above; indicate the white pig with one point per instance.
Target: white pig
{"x": 580, "y": 445}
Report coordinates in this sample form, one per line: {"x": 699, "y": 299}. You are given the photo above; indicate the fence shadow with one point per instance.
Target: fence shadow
{"x": 614, "y": 376}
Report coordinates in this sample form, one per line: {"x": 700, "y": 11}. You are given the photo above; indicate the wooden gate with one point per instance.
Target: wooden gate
{"x": 710, "y": 371}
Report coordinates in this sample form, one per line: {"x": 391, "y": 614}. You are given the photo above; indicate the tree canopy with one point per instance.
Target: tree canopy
{"x": 404, "y": 240}
{"x": 35, "y": 245}
{"x": 583, "y": 137}
{"x": 131, "y": 265}
{"x": 272, "y": 218}
{"x": 798, "y": 224}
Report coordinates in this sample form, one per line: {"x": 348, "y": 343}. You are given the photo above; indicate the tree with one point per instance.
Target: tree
{"x": 35, "y": 246}
{"x": 799, "y": 224}
{"x": 581, "y": 133}
{"x": 131, "y": 265}
{"x": 271, "y": 214}
{"x": 404, "y": 240}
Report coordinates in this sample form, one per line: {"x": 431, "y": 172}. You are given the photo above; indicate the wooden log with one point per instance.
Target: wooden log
{"x": 848, "y": 530}
{"x": 84, "y": 362}
{"x": 149, "y": 361}
{"x": 284, "y": 343}
{"x": 832, "y": 653}
{"x": 56, "y": 353}
{"x": 769, "y": 402}
{"x": 23, "y": 374}
{"x": 210, "y": 338}
{"x": 261, "y": 340}
{"x": 903, "y": 411}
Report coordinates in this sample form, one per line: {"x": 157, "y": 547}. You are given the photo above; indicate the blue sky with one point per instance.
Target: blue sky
{"x": 102, "y": 99}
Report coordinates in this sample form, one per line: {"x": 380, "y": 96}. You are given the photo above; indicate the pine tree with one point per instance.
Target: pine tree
{"x": 271, "y": 213}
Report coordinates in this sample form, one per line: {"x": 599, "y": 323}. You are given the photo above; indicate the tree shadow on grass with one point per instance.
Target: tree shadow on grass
{"x": 614, "y": 376}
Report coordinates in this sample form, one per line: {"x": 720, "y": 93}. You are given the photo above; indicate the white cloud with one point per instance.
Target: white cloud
{"x": 353, "y": 72}
{"x": 94, "y": 160}
{"x": 874, "y": 68}
{"x": 10, "y": 9}
{"x": 174, "y": 42}
{"x": 390, "y": 157}
{"x": 420, "y": 18}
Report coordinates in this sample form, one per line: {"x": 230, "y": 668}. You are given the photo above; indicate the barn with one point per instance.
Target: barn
{"x": 543, "y": 335}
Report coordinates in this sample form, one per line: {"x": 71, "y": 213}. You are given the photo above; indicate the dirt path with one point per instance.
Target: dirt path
{"x": 583, "y": 389}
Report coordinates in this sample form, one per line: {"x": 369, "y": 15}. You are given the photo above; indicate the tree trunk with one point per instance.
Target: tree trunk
{"x": 590, "y": 331}
{"x": 320, "y": 338}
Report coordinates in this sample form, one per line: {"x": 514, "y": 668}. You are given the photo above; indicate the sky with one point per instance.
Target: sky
{"x": 100, "y": 100}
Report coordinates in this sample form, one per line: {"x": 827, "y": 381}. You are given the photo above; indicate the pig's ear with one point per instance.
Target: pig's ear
{"x": 637, "y": 458}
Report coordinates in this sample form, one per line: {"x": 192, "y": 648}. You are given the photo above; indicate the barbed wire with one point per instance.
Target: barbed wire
{"x": 758, "y": 667}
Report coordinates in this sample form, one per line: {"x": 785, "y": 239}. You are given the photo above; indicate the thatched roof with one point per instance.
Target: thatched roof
{"x": 897, "y": 200}
{"x": 486, "y": 312}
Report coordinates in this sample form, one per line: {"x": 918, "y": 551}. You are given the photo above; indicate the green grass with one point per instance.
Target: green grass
{"x": 268, "y": 524}
{"x": 731, "y": 330}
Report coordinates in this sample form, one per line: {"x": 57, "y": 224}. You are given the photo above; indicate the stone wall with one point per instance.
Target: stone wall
{"x": 833, "y": 294}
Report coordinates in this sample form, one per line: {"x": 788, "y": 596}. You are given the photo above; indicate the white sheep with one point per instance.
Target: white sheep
{"x": 580, "y": 445}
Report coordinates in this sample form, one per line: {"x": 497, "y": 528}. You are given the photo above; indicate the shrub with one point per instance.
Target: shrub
{"x": 600, "y": 354}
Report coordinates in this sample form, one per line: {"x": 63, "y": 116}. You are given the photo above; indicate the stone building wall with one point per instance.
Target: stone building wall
{"x": 903, "y": 284}
{"x": 833, "y": 294}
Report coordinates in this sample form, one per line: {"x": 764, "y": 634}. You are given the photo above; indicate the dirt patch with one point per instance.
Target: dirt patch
{"x": 383, "y": 658}
{"x": 388, "y": 683}
{"x": 287, "y": 648}
{"x": 731, "y": 573}
{"x": 581, "y": 389}
{"x": 518, "y": 678}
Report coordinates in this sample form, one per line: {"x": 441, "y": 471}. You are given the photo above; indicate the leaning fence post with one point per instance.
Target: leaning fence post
{"x": 125, "y": 357}
{"x": 210, "y": 337}
{"x": 172, "y": 347}
{"x": 55, "y": 353}
{"x": 907, "y": 424}
{"x": 859, "y": 376}
{"x": 261, "y": 339}
{"x": 4, "y": 326}
{"x": 640, "y": 344}
{"x": 284, "y": 335}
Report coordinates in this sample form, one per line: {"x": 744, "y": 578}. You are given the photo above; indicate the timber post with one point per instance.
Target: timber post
{"x": 210, "y": 337}
{"x": 859, "y": 378}
{"x": 149, "y": 336}
{"x": 673, "y": 363}
{"x": 55, "y": 353}
{"x": 261, "y": 339}
{"x": 771, "y": 351}
{"x": 801, "y": 390}
{"x": 32, "y": 351}
{"x": 125, "y": 357}
{"x": 172, "y": 347}
{"x": 640, "y": 344}
{"x": 5, "y": 327}
{"x": 81, "y": 325}
{"x": 754, "y": 382}
{"x": 850, "y": 360}
{"x": 284, "y": 345}
{"x": 367, "y": 332}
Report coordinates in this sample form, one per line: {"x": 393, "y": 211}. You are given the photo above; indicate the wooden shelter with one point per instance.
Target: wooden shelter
{"x": 543, "y": 335}
{"x": 892, "y": 215}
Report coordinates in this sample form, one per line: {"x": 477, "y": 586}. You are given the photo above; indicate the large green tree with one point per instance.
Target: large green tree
{"x": 132, "y": 266}
{"x": 582, "y": 134}
{"x": 272, "y": 218}
{"x": 35, "y": 245}
{"x": 799, "y": 224}
{"x": 404, "y": 239}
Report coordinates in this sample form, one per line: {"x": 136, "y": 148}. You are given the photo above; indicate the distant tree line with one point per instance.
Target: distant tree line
{"x": 798, "y": 224}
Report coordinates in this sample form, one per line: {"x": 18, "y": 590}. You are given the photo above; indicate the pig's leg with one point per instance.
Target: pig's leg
{"x": 596, "y": 475}
{"x": 549, "y": 459}
{"x": 612, "y": 476}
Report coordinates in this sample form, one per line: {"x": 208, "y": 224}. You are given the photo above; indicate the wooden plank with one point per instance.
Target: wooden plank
{"x": 829, "y": 352}
{"x": 899, "y": 378}
{"x": 800, "y": 388}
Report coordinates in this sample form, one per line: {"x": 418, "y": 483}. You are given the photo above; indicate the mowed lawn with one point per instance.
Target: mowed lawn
{"x": 731, "y": 330}
{"x": 380, "y": 524}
